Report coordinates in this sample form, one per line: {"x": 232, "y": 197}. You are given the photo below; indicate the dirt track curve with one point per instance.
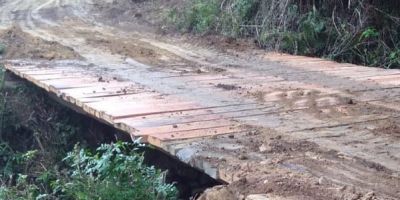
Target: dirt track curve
{"x": 292, "y": 127}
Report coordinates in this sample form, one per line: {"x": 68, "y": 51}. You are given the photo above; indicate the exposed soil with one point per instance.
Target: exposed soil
{"x": 279, "y": 187}
{"x": 20, "y": 44}
{"x": 388, "y": 128}
{"x": 152, "y": 16}
{"x": 142, "y": 52}
{"x": 292, "y": 170}
{"x": 138, "y": 15}
{"x": 224, "y": 43}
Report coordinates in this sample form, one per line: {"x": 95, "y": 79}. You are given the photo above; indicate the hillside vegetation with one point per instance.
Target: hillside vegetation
{"x": 358, "y": 31}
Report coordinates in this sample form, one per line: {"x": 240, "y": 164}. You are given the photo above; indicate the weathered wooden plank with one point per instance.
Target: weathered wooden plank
{"x": 159, "y": 139}
{"x": 179, "y": 127}
{"x": 203, "y": 115}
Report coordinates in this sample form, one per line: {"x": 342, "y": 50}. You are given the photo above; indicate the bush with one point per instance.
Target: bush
{"x": 361, "y": 32}
{"x": 115, "y": 171}
{"x": 200, "y": 16}
{"x": 21, "y": 191}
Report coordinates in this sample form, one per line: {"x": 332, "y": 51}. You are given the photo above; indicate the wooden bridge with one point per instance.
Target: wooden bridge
{"x": 223, "y": 122}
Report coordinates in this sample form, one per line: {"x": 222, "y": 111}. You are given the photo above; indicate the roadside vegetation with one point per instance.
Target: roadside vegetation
{"x": 356, "y": 31}
{"x": 46, "y": 152}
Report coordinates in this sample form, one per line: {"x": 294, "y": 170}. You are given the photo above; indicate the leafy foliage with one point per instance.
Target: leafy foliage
{"x": 23, "y": 190}
{"x": 13, "y": 161}
{"x": 200, "y": 16}
{"x": 362, "y": 32}
{"x": 116, "y": 171}
{"x": 113, "y": 171}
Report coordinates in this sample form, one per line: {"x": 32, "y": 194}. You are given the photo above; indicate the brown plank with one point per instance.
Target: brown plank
{"x": 159, "y": 139}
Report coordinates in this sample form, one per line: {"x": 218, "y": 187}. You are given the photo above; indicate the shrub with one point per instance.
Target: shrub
{"x": 115, "y": 171}
{"x": 362, "y": 32}
{"x": 21, "y": 191}
{"x": 199, "y": 16}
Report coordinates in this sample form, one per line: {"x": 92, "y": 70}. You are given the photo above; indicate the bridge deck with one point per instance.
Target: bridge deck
{"x": 350, "y": 109}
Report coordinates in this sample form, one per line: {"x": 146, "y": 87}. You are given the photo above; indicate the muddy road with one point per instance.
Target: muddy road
{"x": 312, "y": 129}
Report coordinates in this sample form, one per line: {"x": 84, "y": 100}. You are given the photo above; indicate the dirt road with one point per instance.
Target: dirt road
{"x": 310, "y": 128}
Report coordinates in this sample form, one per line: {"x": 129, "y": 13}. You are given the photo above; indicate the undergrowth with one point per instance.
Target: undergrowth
{"x": 360, "y": 31}
{"x": 40, "y": 161}
{"x": 112, "y": 171}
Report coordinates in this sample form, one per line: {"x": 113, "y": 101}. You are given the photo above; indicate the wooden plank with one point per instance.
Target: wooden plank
{"x": 111, "y": 111}
{"x": 83, "y": 82}
{"x": 118, "y": 97}
{"x": 54, "y": 77}
{"x": 159, "y": 139}
{"x": 51, "y": 72}
{"x": 179, "y": 127}
{"x": 102, "y": 89}
{"x": 205, "y": 115}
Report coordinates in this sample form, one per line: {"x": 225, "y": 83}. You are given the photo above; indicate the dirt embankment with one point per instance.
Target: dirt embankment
{"x": 20, "y": 44}
{"x": 137, "y": 15}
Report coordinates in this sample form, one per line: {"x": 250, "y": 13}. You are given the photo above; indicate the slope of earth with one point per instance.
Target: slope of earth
{"x": 22, "y": 45}
{"x": 290, "y": 127}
